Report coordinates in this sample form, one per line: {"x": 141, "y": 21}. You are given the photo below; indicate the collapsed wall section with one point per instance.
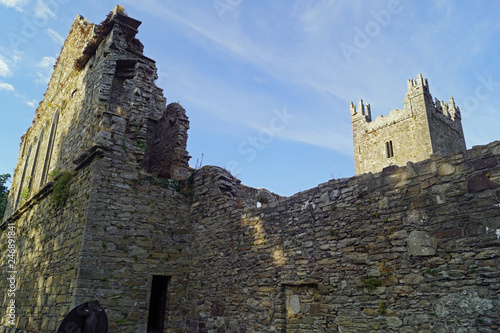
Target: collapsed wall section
{"x": 400, "y": 250}
{"x": 166, "y": 154}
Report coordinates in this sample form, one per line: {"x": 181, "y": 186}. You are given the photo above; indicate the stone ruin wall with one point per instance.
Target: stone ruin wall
{"x": 48, "y": 238}
{"x": 52, "y": 136}
{"x": 48, "y": 253}
{"x": 410, "y": 249}
{"x": 402, "y": 250}
{"x": 97, "y": 120}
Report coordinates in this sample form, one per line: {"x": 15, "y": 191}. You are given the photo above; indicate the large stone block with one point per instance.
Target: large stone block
{"x": 421, "y": 243}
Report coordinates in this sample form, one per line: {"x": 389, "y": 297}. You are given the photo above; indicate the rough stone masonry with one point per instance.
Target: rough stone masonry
{"x": 105, "y": 206}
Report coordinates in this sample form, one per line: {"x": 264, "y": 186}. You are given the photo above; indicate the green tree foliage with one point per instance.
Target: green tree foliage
{"x": 4, "y": 193}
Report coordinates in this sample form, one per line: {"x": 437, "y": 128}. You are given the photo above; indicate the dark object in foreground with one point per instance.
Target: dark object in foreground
{"x": 88, "y": 317}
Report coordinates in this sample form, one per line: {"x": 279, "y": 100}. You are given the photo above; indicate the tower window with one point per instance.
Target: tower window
{"x": 390, "y": 151}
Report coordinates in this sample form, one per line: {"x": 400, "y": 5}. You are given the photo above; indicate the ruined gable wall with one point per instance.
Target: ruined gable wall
{"x": 400, "y": 250}
{"x": 166, "y": 155}
{"x": 46, "y": 145}
{"x": 48, "y": 238}
{"x": 119, "y": 225}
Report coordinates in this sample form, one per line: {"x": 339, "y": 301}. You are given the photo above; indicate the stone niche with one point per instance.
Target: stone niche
{"x": 303, "y": 307}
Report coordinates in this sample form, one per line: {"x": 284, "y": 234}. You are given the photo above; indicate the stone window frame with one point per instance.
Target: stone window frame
{"x": 389, "y": 149}
{"x": 50, "y": 148}
{"x": 35, "y": 159}
{"x": 21, "y": 183}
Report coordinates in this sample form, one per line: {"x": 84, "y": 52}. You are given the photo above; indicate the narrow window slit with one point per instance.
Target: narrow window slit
{"x": 389, "y": 149}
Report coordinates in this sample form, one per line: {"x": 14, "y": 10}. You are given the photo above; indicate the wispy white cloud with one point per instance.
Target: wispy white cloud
{"x": 46, "y": 62}
{"x": 308, "y": 56}
{"x": 30, "y": 103}
{"x": 17, "y": 56}
{"x": 6, "y": 86}
{"x": 25, "y": 100}
{"x": 317, "y": 15}
{"x": 299, "y": 64}
{"x": 42, "y": 11}
{"x": 43, "y": 76}
{"x": 300, "y": 47}
{"x": 56, "y": 37}
{"x": 4, "y": 67}
{"x": 16, "y": 4}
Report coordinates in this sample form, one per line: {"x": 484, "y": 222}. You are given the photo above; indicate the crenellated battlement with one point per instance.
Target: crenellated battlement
{"x": 419, "y": 83}
{"x": 363, "y": 111}
{"x": 448, "y": 110}
{"x": 422, "y": 127}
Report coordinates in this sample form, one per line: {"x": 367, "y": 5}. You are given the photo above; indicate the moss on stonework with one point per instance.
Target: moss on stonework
{"x": 370, "y": 283}
{"x": 184, "y": 187}
{"x": 60, "y": 192}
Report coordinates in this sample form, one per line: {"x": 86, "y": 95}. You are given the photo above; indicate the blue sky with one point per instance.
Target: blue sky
{"x": 267, "y": 84}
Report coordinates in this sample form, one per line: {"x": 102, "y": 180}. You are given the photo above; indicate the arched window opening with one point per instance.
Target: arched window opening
{"x": 50, "y": 148}
{"x": 23, "y": 175}
{"x": 264, "y": 197}
{"x": 35, "y": 159}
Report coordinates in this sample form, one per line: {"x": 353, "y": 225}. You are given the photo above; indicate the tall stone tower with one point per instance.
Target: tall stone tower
{"x": 423, "y": 127}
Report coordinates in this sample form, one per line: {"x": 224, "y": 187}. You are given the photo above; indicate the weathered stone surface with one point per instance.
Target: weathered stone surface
{"x": 413, "y": 278}
{"x": 480, "y": 183}
{"x": 394, "y": 322}
{"x": 293, "y": 304}
{"x": 446, "y": 169}
{"x": 380, "y": 252}
{"x": 464, "y": 303}
{"x": 485, "y": 163}
{"x": 416, "y": 218}
{"x": 421, "y": 243}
